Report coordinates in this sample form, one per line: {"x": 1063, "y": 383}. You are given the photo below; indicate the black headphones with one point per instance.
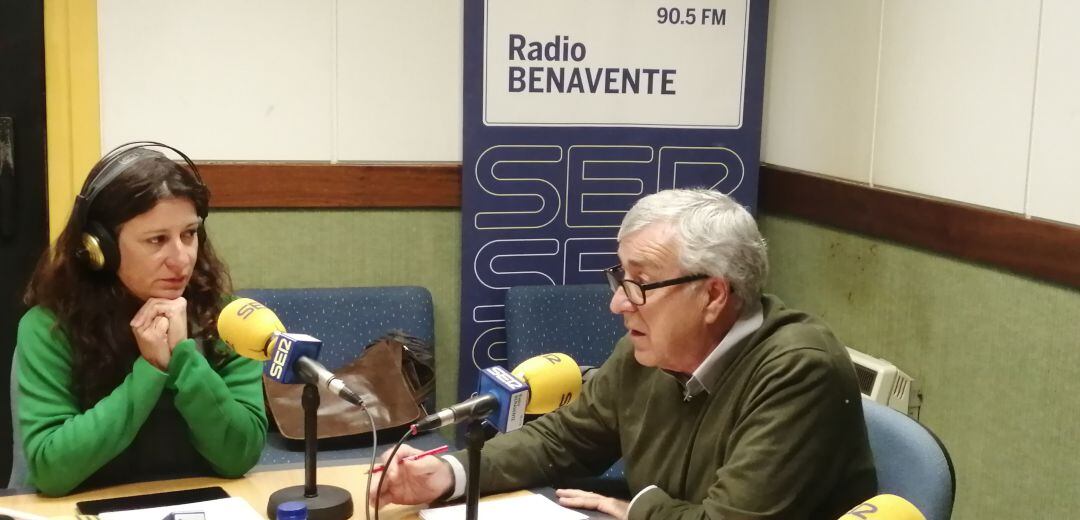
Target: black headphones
{"x": 100, "y": 250}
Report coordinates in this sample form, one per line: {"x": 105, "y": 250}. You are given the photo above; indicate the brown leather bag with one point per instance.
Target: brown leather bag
{"x": 378, "y": 376}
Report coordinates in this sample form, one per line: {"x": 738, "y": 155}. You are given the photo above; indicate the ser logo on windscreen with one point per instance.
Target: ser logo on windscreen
{"x": 281, "y": 354}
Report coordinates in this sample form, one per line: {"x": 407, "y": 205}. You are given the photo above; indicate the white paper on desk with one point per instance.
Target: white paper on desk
{"x": 232, "y": 508}
{"x": 516, "y": 507}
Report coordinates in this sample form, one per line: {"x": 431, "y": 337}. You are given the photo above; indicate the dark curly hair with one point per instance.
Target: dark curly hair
{"x": 93, "y": 308}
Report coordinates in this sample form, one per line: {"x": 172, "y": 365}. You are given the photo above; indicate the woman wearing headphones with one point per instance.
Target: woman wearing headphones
{"x": 121, "y": 374}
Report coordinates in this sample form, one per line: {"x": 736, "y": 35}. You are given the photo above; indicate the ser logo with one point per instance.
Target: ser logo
{"x": 281, "y": 355}
{"x": 863, "y": 511}
{"x": 248, "y": 309}
{"x": 508, "y": 379}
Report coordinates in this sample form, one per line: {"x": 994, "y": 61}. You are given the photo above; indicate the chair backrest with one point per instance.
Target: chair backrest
{"x": 573, "y": 319}
{"x": 20, "y": 477}
{"x": 346, "y": 319}
{"x": 911, "y": 461}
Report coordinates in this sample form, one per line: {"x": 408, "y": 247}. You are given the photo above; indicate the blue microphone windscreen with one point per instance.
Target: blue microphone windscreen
{"x": 285, "y": 349}
{"x": 512, "y": 394}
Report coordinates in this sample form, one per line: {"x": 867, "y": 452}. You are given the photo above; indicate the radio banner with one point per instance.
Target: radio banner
{"x": 572, "y": 111}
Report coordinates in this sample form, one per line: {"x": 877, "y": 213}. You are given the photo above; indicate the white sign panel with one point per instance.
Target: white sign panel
{"x": 644, "y": 63}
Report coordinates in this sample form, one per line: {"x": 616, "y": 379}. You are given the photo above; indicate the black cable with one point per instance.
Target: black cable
{"x": 382, "y": 481}
{"x": 374, "y": 453}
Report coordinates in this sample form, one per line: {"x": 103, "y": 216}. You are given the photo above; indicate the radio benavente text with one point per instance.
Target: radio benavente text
{"x": 564, "y": 75}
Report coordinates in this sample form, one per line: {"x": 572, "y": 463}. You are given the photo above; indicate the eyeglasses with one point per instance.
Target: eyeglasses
{"x": 635, "y": 292}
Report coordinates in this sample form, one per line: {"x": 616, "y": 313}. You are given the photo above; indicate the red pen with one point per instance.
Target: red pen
{"x": 435, "y": 451}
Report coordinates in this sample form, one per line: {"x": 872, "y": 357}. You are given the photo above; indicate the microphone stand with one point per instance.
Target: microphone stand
{"x": 474, "y": 435}
{"x": 324, "y": 502}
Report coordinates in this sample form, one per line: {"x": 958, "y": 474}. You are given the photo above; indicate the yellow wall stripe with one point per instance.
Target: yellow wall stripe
{"x": 72, "y": 102}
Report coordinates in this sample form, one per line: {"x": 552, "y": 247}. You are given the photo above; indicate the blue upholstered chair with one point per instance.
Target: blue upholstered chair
{"x": 19, "y": 474}
{"x": 572, "y": 319}
{"x": 911, "y": 462}
{"x": 346, "y": 319}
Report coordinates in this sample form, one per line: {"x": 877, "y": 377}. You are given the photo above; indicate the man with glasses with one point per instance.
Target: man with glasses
{"x": 723, "y": 402}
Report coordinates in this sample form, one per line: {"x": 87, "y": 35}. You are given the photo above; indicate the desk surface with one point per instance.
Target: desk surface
{"x": 255, "y": 488}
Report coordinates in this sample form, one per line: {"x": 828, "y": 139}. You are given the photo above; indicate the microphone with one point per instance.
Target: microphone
{"x": 538, "y": 385}
{"x": 245, "y": 325}
{"x": 555, "y": 380}
{"x": 255, "y": 332}
{"x": 884, "y": 507}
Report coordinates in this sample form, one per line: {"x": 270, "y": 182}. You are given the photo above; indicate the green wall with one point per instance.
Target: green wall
{"x": 338, "y": 248}
{"x": 997, "y": 355}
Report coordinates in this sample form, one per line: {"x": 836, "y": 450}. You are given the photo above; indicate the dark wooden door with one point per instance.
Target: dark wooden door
{"x": 23, "y": 213}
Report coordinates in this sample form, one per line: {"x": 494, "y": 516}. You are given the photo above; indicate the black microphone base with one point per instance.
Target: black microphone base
{"x": 330, "y": 502}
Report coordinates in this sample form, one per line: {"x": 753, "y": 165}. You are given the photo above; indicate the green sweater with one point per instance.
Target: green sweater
{"x": 780, "y": 434}
{"x": 220, "y": 412}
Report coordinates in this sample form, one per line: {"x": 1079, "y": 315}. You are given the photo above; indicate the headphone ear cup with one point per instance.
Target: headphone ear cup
{"x": 100, "y": 248}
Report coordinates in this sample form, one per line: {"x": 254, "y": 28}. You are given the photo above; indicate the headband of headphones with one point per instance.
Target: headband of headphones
{"x": 114, "y": 163}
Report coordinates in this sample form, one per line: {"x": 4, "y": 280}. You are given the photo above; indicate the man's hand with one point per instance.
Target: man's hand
{"x": 585, "y": 500}
{"x": 419, "y": 481}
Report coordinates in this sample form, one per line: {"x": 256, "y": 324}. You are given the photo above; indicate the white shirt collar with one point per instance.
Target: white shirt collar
{"x": 705, "y": 375}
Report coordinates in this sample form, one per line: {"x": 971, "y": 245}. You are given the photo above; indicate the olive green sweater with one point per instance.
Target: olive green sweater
{"x": 780, "y": 434}
{"x": 152, "y": 419}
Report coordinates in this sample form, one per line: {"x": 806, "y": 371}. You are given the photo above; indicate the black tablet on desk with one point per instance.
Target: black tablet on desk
{"x": 168, "y": 498}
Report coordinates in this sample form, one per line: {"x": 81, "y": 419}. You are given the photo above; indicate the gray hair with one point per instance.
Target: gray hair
{"x": 716, "y": 236}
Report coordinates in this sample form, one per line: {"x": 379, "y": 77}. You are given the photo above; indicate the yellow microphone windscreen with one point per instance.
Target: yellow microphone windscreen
{"x": 884, "y": 507}
{"x": 246, "y": 326}
{"x": 554, "y": 381}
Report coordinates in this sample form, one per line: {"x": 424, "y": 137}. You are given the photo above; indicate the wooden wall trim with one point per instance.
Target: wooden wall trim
{"x": 321, "y": 185}
{"x": 1033, "y": 247}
